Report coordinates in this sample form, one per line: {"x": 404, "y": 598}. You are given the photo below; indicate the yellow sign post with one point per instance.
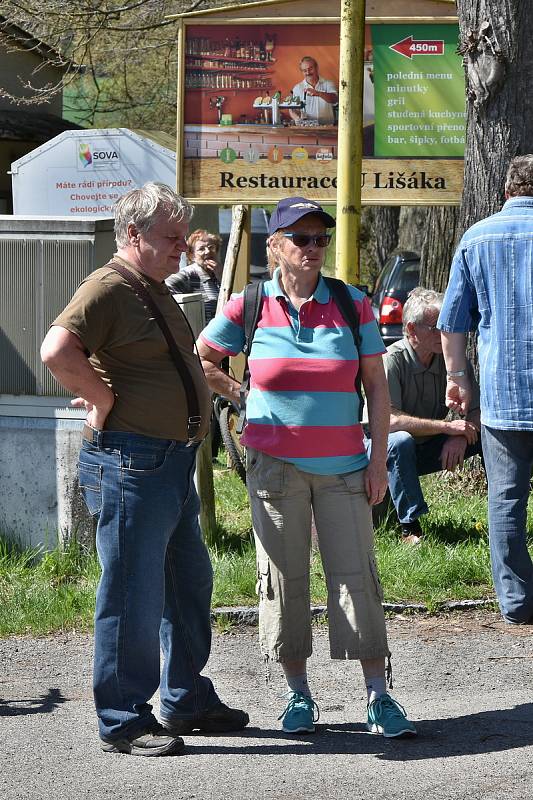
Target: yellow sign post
{"x": 350, "y": 141}
{"x": 246, "y": 134}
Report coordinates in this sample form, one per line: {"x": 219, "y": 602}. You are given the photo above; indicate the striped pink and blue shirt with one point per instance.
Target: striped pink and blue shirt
{"x": 302, "y": 406}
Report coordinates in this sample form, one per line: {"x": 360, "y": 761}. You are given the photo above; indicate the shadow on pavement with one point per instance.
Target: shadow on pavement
{"x": 484, "y": 732}
{"x": 44, "y": 704}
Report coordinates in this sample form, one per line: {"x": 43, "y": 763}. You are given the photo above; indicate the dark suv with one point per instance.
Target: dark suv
{"x": 399, "y": 275}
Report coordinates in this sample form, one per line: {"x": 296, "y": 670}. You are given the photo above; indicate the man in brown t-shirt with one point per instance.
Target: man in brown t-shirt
{"x": 136, "y": 470}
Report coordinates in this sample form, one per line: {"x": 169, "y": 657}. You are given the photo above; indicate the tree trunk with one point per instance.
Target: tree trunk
{"x": 495, "y": 40}
{"x": 440, "y": 240}
{"x": 369, "y": 264}
{"x": 386, "y": 223}
{"x": 412, "y": 227}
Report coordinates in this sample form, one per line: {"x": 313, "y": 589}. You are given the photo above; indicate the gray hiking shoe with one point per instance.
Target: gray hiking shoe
{"x": 155, "y": 741}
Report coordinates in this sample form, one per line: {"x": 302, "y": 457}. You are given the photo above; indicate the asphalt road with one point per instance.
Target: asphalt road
{"x": 465, "y": 679}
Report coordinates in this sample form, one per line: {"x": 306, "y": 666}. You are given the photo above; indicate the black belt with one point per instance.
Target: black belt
{"x": 91, "y": 434}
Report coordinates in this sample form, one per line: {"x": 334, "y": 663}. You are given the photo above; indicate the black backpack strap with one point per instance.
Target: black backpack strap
{"x": 252, "y": 303}
{"x": 345, "y": 303}
{"x": 253, "y": 300}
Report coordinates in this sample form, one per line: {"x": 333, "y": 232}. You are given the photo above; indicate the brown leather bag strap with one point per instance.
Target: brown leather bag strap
{"x": 194, "y": 418}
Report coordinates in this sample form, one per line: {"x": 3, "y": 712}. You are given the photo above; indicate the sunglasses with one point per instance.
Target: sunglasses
{"x": 303, "y": 239}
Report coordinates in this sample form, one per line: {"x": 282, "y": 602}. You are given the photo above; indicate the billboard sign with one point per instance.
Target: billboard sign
{"x": 419, "y": 92}
{"x": 259, "y": 115}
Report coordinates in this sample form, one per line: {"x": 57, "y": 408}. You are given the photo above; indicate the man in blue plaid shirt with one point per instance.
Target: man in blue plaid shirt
{"x": 491, "y": 291}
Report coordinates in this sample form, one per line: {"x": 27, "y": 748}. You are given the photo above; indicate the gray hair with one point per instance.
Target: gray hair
{"x": 519, "y": 178}
{"x": 141, "y": 207}
{"x": 310, "y": 59}
{"x": 417, "y": 303}
{"x": 272, "y": 261}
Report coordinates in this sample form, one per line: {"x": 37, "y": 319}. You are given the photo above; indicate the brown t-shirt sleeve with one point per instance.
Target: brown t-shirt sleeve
{"x": 90, "y": 315}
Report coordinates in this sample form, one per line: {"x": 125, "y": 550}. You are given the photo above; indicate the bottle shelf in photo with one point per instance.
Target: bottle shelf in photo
{"x": 234, "y": 92}
{"x": 202, "y": 79}
{"x": 230, "y": 70}
{"x": 246, "y": 51}
{"x": 230, "y": 62}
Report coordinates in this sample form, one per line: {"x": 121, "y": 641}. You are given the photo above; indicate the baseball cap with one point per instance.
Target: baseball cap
{"x": 291, "y": 209}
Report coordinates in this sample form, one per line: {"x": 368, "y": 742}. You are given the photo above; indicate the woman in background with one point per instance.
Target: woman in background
{"x": 203, "y": 272}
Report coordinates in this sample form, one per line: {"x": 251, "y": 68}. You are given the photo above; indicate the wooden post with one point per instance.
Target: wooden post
{"x": 234, "y": 265}
{"x": 242, "y": 270}
{"x": 204, "y": 462}
{"x": 238, "y": 222}
{"x": 180, "y": 103}
{"x": 350, "y": 143}
{"x": 236, "y": 272}
{"x": 206, "y": 491}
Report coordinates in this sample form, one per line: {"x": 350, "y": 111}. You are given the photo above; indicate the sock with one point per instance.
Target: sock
{"x": 375, "y": 687}
{"x": 298, "y": 683}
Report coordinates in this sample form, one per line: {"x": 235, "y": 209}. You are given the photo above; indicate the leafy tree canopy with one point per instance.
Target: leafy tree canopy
{"x": 119, "y": 57}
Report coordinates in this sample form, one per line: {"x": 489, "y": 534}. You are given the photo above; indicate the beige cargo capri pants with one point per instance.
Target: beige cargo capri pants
{"x": 281, "y": 499}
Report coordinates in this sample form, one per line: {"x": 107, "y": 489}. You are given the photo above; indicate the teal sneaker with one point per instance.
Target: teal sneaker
{"x": 387, "y": 717}
{"x": 300, "y": 714}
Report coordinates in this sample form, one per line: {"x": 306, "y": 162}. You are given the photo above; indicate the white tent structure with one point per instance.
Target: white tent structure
{"x": 83, "y": 172}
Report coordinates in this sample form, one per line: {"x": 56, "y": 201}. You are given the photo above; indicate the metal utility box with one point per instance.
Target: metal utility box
{"x": 42, "y": 262}
{"x": 84, "y": 172}
{"x": 41, "y": 437}
{"x": 192, "y": 306}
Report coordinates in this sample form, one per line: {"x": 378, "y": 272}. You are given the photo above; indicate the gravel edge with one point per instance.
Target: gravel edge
{"x": 249, "y": 615}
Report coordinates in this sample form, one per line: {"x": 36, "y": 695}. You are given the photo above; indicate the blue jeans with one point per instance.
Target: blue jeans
{"x": 406, "y": 461}
{"x": 156, "y": 583}
{"x": 509, "y": 461}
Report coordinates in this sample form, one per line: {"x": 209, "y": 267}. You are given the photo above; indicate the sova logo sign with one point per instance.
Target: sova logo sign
{"x": 91, "y": 157}
{"x": 85, "y": 155}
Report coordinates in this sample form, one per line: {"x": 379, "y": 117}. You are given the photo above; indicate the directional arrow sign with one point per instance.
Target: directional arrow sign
{"x": 410, "y": 47}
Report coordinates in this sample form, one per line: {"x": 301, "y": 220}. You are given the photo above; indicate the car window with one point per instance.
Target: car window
{"x": 407, "y": 276}
{"x": 383, "y": 276}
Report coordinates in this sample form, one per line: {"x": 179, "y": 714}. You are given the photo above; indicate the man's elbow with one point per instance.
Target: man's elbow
{"x": 49, "y": 349}
{"x": 58, "y": 347}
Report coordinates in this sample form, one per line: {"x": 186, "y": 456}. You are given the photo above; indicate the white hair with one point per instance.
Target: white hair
{"x": 141, "y": 207}
{"x": 418, "y": 302}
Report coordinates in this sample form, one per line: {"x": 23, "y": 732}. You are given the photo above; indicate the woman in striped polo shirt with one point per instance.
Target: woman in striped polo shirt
{"x": 305, "y": 454}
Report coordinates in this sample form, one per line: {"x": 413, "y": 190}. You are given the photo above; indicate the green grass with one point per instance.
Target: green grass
{"x": 232, "y": 508}
{"x": 431, "y": 574}
{"x": 40, "y": 594}
{"x": 453, "y": 562}
{"x": 55, "y": 591}
{"x": 235, "y": 578}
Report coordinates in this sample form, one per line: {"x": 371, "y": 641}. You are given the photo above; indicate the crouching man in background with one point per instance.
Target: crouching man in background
{"x": 421, "y": 439}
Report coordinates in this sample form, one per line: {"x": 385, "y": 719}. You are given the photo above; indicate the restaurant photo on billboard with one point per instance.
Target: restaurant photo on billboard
{"x": 265, "y": 97}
